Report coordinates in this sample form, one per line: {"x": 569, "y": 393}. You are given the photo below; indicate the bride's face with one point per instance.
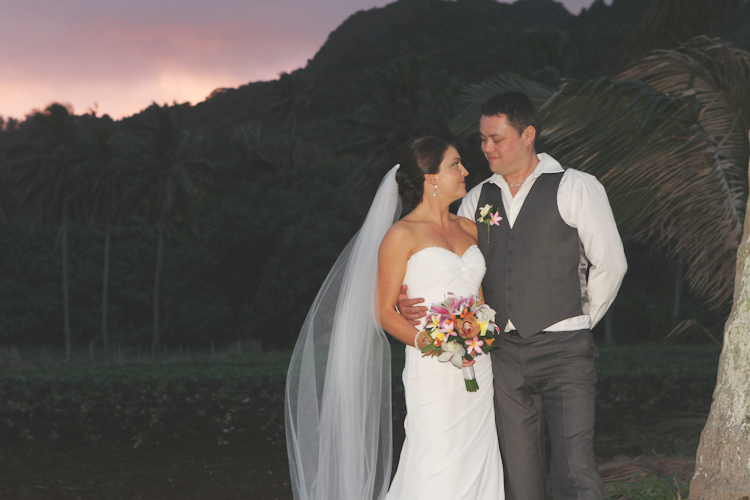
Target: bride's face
{"x": 450, "y": 178}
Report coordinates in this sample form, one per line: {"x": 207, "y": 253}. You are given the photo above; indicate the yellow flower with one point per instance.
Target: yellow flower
{"x": 483, "y": 325}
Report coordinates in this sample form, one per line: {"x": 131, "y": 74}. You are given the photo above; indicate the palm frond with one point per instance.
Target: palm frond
{"x": 45, "y": 164}
{"x": 668, "y": 139}
{"x": 663, "y": 173}
{"x": 161, "y": 162}
{"x": 472, "y": 97}
{"x": 716, "y": 76}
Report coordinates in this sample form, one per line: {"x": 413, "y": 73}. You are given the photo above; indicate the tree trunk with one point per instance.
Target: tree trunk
{"x": 65, "y": 283}
{"x": 722, "y": 468}
{"x": 105, "y": 285}
{"x": 157, "y": 279}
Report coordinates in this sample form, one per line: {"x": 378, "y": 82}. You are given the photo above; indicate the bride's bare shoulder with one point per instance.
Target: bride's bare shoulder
{"x": 402, "y": 234}
{"x": 468, "y": 226}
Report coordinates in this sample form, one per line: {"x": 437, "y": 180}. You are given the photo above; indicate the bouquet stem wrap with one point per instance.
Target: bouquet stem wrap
{"x": 470, "y": 378}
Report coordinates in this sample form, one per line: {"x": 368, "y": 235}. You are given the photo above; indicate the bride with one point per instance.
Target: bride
{"x": 338, "y": 401}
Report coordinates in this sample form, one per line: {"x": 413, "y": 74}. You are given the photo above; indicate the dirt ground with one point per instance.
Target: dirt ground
{"x": 249, "y": 468}
{"x": 650, "y": 441}
{"x": 252, "y": 466}
{"x": 200, "y": 471}
{"x": 191, "y": 471}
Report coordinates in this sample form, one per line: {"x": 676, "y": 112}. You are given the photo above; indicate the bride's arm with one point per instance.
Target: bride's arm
{"x": 394, "y": 252}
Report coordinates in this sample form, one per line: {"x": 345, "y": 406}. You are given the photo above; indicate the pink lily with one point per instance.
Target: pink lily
{"x": 495, "y": 219}
{"x": 474, "y": 345}
{"x": 453, "y": 302}
{"x": 439, "y": 309}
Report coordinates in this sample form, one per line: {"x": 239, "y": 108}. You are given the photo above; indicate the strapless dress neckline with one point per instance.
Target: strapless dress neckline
{"x": 438, "y": 248}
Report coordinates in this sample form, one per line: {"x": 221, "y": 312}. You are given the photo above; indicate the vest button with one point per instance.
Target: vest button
{"x": 510, "y": 252}
{"x": 510, "y": 306}
{"x": 511, "y": 236}
{"x": 509, "y": 287}
{"x": 508, "y": 269}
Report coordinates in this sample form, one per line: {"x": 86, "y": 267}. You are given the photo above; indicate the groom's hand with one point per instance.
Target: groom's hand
{"x": 407, "y": 308}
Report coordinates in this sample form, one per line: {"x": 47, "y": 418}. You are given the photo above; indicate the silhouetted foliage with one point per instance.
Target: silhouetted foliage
{"x": 194, "y": 255}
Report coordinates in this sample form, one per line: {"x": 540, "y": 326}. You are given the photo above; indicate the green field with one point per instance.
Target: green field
{"x": 652, "y": 402}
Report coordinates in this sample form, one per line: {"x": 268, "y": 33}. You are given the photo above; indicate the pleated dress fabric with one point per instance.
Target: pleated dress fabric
{"x": 451, "y": 448}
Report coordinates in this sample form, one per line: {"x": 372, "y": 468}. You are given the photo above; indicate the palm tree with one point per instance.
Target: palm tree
{"x": 668, "y": 139}
{"x": 166, "y": 174}
{"x": 101, "y": 192}
{"x": 46, "y": 164}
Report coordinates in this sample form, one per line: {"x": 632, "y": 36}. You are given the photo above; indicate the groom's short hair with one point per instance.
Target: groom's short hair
{"x": 519, "y": 109}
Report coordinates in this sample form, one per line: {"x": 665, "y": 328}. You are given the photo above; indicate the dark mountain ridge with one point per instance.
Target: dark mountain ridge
{"x": 415, "y": 27}
{"x": 468, "y": 40}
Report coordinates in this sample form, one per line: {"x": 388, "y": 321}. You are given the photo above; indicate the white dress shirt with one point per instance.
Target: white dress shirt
{"x": 583, "y": 204}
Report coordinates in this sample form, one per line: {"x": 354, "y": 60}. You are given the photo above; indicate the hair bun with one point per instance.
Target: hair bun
{"x": 417, "y": 158}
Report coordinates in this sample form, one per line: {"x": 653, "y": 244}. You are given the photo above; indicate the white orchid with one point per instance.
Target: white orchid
{"x": 485, "y": 313}
{"x": 483, "y": 212}
{"x": 452, "y": 352}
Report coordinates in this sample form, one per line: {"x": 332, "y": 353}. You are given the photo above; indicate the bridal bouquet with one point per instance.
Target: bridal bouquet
{"x": 457, "y": 328}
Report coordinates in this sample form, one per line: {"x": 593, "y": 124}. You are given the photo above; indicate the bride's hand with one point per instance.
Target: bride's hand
{"x": 468, "y": 363}
{"x": 407, "y": 308}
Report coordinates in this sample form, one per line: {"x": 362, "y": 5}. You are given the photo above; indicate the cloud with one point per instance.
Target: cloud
{"x": 122, "y": 55}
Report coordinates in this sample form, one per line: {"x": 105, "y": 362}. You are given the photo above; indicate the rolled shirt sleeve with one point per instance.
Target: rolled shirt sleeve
{"x": 584, "y": 205}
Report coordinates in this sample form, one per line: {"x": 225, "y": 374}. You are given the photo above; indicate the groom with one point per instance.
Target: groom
{"x": 554, "y": 265}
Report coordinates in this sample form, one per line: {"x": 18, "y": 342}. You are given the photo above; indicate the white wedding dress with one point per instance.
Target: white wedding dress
{"x": 451, "y": 450}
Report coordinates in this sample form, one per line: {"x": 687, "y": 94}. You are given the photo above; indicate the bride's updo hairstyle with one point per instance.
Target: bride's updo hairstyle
{"x": 417, "y": 158}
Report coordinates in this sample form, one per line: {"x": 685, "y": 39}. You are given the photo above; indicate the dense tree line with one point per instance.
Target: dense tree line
{"x": 127, "y": 232}
{"x": 216, "y": 222}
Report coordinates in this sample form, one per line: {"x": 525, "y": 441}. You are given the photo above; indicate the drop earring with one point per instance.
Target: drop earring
{"x": 434, "y": 193}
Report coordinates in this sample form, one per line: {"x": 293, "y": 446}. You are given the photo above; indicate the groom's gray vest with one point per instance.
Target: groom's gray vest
{"x": 532, "y": 269}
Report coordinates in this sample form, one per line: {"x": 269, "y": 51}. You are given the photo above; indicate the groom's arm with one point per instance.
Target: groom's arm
{"x": 589, "y": 211}
{"x": 409, "y": 309}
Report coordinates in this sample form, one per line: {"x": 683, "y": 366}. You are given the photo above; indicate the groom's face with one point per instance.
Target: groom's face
{"x": 502, "y": 145}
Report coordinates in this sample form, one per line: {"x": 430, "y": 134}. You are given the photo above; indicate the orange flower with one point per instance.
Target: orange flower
{"x": 468, "y": 327}
{"x": 424, "y": 339}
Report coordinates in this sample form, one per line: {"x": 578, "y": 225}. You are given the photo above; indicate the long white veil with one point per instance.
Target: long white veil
{"x": 338, "y": 389}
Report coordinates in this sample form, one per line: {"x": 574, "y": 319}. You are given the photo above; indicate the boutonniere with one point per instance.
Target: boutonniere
{"x": 490, "y": 215}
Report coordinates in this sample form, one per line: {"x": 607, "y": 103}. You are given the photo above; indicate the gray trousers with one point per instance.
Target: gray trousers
{"x": 547, "y": 378}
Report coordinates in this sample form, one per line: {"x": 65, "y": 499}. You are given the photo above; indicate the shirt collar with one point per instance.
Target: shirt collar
{"x": 546, "y": 165}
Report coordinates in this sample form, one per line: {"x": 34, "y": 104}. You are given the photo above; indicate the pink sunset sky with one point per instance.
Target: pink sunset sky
{"x": 118, "y": 56}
